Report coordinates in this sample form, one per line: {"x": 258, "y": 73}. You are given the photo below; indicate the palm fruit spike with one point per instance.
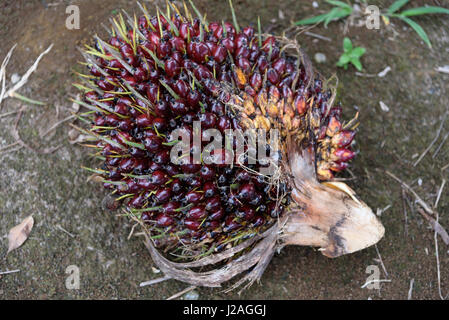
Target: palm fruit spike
{"x": 164, "y": 72}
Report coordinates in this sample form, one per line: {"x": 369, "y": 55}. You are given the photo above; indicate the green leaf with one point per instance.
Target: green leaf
{"x": 396, "y": 6}
{"x": 347, "y": 44}
{"x": 419, "y": 30}
{"x": 337, "y": 13}
{"x": 358, "y": 52}
{"x": 356, "y": 62}
{"x": 313, "y": 20}
{"x": 339, "y": 4}
{"x": 344, "y": 60}
{"x": 423, "y": 10}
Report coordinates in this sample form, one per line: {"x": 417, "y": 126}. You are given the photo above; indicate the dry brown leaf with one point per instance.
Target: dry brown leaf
{"x": 18, "y": 235}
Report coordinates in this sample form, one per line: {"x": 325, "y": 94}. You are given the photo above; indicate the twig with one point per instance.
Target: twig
{"x": 3, "y": 72}
{"x": 409, "y": 296}
{"x": 438, "y": 264}
{"x": 405, "y": 212}
{"x": 436, "y": 226}
{"x": 56, "y": 125}
{"x": 427, "y": 212}
{"x": 439, "y": 193}
{"x": 8, "y": 272}
{"x": 381, "y": 262}
{"x": 65, "y": 231}
{"x": 7, "y": 114}
{"x": 177, "y": 295}
{"x": 25, "y": 77}
{"x": 311, "y": 34}
{"x": 154, "y": 281}
{"x": 374, "y": 281}
{"x": 441, "y": 144}
{"x": 433, "y": 141}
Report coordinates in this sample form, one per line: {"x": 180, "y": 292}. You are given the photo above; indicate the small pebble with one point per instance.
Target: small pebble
{"x": 383, "y": 106}
{"x": 315, "y": 4}
{"x": 420, "y": 182}
{"x": 192, "y": 295}
{"x": 15, "y": 78}
{"x": 320, "y": 57}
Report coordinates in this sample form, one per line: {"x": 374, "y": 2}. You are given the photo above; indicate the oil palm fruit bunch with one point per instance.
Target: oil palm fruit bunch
{"x": 164, "y": 73}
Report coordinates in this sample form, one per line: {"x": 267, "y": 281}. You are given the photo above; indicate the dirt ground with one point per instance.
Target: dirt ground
{"x": 53, "y": 187}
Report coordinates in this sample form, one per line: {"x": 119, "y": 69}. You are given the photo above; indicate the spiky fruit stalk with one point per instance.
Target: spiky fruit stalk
{"x": 167, "y": 72}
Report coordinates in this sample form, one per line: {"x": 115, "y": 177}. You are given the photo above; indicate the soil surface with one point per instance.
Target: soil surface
{"x": 71, "y": 228}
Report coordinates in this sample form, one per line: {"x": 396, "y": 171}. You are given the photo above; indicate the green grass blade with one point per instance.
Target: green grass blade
{"x": 396, "y": 6}
{"x": 337, "y": 13}
{"x": 312, "y": 20}
{"x": 25, "y": 99}
{"x": 419, "y": 30}
{"x": 339, "y": 4}
{"x": 423, "y": 10}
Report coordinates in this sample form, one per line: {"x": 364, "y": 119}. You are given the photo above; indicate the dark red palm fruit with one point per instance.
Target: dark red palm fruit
{"x": 213, "y": 204}
{"x": 224, "y": 123}
{"x": 258, "y": 221}
{"x": 207, "y": 173}
{"x": 202, "y": 73}
{"x": 246, "y": 191}
{"x": 178, "y": 107}
{"x": 279, "y": 66}
{"x": 334, "y": 126}
{"x": 137, "y": 201}
{"x": 172, "y": 67}
{"x": 339, "y": 166}
{"x": 231, "y": 224}
{"x": 163, "y": 195}
{"x": 262, "y": 63}
{"x": 111, "y": 119}
{"x": 244, "y": 64}
{"x": 300, "y": 104}
{"x": 153, "y": 166}
{"x": 160, "y": 124}
{"x": 343, "y": 155}
{"x": 99, "y": 121}
{"x": 241, "y": 40}
{"x": 176, "y": 186}
{"x": 178, "y": 44}
{"x": 162, "y": 156}
{"x": 193, "y": 99}
{"x": 126, "y": 50}
{"x": 219, "y": 53}
{"x": 127, "y": 165}
{"x": 159, "y": 177}
{"x": 152, "y": 143}
{"x": 114, "y": 174}
{"x": 242, "y": 52}
{"x": 164, "y": 220}
{"x": 121, "y": 108}
{"x": 208, "y": 120}
{"x": 209, "y": 189}
{"x": 171, "y": 169}
{"x": 163, "y": 49}
{"x": 185, "y": 30}
{"x": 242, "y": 176}
{"x": 190, "y": 167}
{"x": 194, "y": 182}
{"x": 170, "y": 208}
{"x": 141, "y": 74}
{"x": 162, "y": 108}
{"x": 217, "y": 215}
{"x": 274, "y": 209}
{"x": 192, "y": 224}
{"x": 273, "y": 76}
{"x": 140, "y": 166}
{"x": 256, "y": 81}
{"x": 105, "y": 85}
{"x": 132, "y": 186}
{"x": 125, "y": 124}
{"x": 144, "y": 121}
{"x": 181, "y": 88}
{"x": 249, "y": 32}
{"x": 197, "y": 213}
{"x": 229, "y": 44}
{"x": 343, "y": 138}
{"x": 193, "y": 197}
{"x": 246, "y": 213}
